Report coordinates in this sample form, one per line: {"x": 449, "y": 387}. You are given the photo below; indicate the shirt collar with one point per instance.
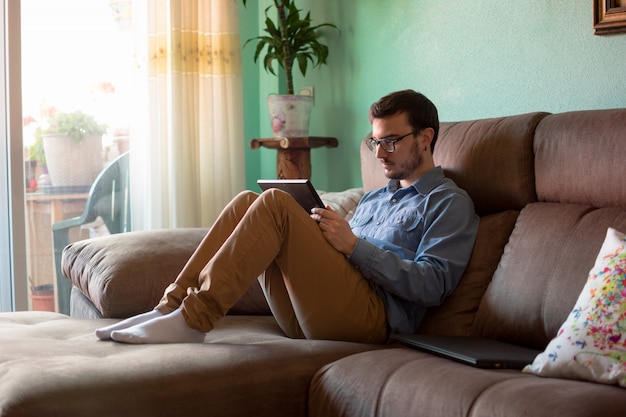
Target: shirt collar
{"x": 424, "y": 184}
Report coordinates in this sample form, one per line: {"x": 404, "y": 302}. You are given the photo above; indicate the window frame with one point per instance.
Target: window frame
{"x": 13, "y": 292}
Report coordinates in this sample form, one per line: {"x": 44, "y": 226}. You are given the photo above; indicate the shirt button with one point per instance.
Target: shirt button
{"x": 377, "y": 223}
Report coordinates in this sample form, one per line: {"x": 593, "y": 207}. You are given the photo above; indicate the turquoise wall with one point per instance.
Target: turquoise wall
{"x": 472, "y": 58}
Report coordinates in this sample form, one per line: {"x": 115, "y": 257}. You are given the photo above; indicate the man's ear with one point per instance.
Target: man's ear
{"x": 427, "y": 136}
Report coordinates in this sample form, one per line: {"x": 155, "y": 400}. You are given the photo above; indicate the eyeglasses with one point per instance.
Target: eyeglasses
{"x": 388, "y": 144}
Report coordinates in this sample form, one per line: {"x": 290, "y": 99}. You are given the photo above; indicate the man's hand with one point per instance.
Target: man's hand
{"x": 336, "y": 229}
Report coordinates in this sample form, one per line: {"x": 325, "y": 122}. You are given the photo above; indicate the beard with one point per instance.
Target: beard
{"x": 407, "y": 168}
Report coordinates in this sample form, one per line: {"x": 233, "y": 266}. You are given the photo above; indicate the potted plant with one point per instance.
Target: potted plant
{"x": 72, "y": 145}
{"x": 292, "y": 38}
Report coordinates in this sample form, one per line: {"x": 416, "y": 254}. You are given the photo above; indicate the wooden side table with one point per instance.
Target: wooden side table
{"x": 293, "y": 159}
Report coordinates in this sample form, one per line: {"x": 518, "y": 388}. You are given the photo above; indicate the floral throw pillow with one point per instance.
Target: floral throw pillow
{"x": 591, "y": 344}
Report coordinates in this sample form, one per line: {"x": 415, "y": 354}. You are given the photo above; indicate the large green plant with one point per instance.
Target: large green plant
{"x": 291, "y": 39}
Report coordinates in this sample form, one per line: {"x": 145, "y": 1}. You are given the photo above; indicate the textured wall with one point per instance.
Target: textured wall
{"x": 473, "y": 58}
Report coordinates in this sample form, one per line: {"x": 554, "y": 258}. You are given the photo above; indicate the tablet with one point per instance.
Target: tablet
{"x": 300, "y": 189}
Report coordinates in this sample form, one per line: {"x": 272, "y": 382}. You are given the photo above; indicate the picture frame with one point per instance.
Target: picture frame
{"x": 609, "y": 16}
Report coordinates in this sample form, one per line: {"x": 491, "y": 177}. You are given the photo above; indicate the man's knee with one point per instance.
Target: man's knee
{"x": 275, "y": 197}
{"x": 246, "y": 195}
{"x": 244, "y": 199}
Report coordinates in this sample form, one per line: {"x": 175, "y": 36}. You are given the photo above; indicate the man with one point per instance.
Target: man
{"x": 404, "y": 250}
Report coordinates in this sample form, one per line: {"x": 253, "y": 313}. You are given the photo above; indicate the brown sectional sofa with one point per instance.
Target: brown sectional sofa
{"x": 547, "y": 187}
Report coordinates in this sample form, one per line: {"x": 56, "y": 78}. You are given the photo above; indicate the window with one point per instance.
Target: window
{"x": 77, "y": 72}
{"x": 78, "y": 56}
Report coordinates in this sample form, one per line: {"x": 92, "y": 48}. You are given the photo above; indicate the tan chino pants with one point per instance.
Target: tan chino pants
{"x": 313, "y": 290}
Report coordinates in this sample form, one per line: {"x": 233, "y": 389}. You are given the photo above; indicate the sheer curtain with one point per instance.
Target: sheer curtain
{"x": 187, "y": 145}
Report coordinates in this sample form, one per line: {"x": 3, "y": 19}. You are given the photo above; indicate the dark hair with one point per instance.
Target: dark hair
{"x": 421, "y": 112}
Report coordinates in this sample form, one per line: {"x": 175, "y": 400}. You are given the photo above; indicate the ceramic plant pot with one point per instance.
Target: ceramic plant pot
{"x": 290, "y": 115}
{"x": 73, "y": 164}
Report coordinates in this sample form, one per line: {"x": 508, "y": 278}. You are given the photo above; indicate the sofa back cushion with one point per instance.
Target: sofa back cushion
{"x": 372, "y": 173}
{"x": 491, "y": 159}
{"x": 579, "y": 176}
{"x": 455, "y": 316}
{"x": 580, "y": 158}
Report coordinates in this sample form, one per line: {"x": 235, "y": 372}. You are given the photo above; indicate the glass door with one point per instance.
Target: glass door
{"x": 77, "y": 78}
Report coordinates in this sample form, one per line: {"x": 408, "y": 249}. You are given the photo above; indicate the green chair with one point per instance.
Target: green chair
{"x": 109, "y": 199}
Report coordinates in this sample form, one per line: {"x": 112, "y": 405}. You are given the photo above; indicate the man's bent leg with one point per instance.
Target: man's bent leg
{"x": 331, "y": 299}
{"x": 278, "y": 299}
{"x": 188, "y": 277}
{"x": 210, "y": 244}
{"x": 241, "y": 258}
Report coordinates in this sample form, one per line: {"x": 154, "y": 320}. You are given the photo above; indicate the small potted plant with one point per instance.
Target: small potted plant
{"x": 72, "y": 145}
{"x": 291, "y": 39}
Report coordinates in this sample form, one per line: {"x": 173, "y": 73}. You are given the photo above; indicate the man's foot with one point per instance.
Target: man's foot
{"x": 170, "y": 328}
{"x": 104, "y": 333}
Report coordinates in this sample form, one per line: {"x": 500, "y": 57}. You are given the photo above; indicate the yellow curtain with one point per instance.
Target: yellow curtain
{"x": 187, "y": 150}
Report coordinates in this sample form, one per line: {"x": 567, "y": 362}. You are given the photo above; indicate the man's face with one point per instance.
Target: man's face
{"x": 406, "y": 162}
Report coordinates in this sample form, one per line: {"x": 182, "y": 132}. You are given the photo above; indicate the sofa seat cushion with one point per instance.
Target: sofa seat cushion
{"x": 405, "y": 382}
{"x": 53, "y": 365}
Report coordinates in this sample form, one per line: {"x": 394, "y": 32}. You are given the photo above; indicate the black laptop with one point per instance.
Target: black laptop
{"x": 301, "y": 190}
{"x": 480, "y": 352}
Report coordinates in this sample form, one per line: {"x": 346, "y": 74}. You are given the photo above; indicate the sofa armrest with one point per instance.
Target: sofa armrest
{"x": 125, "y": 274}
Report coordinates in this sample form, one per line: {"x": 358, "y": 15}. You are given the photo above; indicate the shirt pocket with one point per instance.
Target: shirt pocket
{"x": 359, "y": 225}
{"x": 408, "y": 221}
{"x": 361, "y": 220}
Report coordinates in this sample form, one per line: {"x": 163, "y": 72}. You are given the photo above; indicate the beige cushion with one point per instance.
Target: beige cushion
{"x": 343, "y": 202}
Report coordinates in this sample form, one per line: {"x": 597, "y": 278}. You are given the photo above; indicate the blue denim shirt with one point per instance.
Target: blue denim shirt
{"x": 414, "y": 244}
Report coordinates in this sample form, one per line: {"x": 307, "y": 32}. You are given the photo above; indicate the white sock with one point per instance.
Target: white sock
{"x": 104, "y": 333}
{"x": 170, "y": 328}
